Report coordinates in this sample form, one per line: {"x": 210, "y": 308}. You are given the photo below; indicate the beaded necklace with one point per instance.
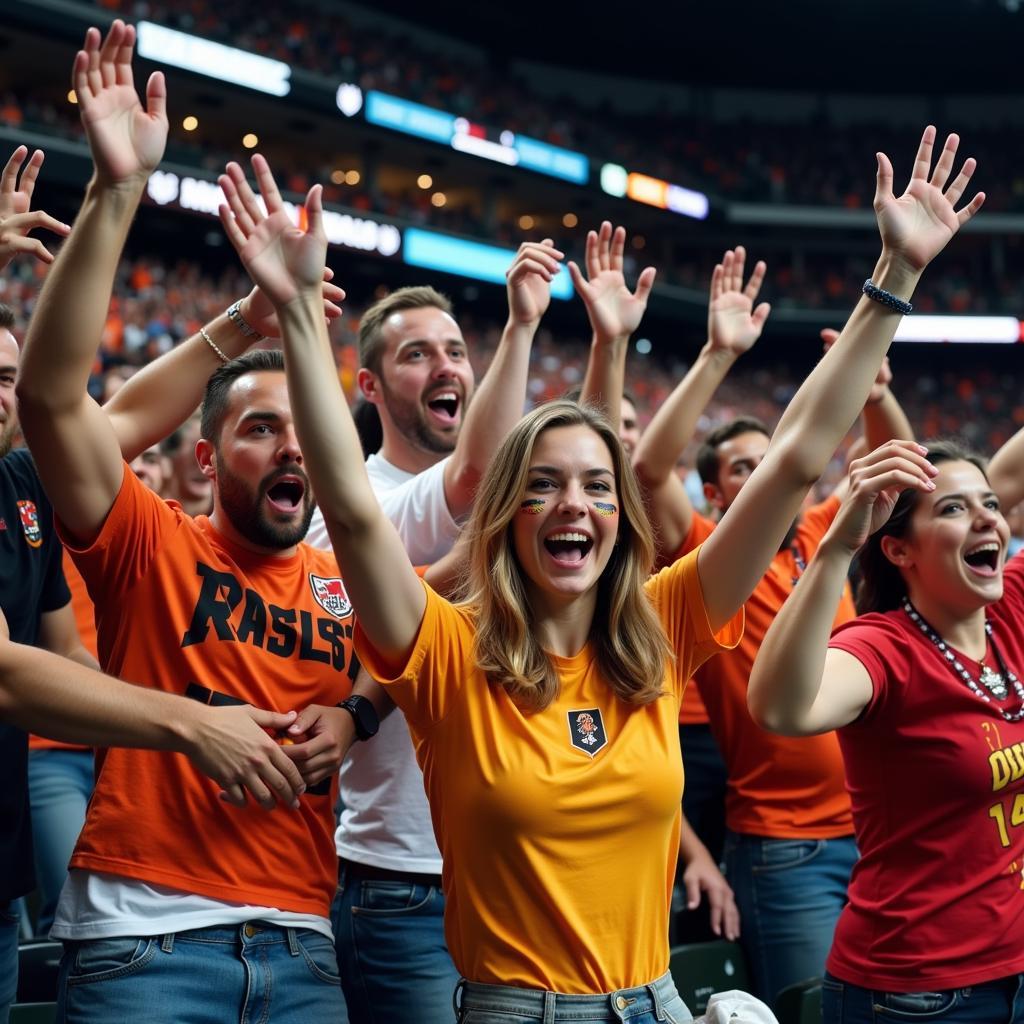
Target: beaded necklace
{"x": 994, "y": 682}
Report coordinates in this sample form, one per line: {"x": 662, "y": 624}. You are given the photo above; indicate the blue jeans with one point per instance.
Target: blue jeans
{"x": 254, "y": 973}
{"x": 9, "y": 928}
{"x": 496, "y": 1004}
{"x": 993, "y": 1002}
{"x": 392, "y": 955}
{"x": 789, "y": 893}
{"x": 59, "y": 784}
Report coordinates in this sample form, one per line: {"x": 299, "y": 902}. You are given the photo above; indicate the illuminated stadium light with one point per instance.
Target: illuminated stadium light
{"x": 644, "y": 346}
{"x": 162, "y": 187}
{"x": 439, "y": 199}
{"x": 190, "y": 124}
{"x": 425, "y": 181}
{"x": 349, "y": 99}
{"x": 468, "y": 137}
{"x": 613, "y": 180}
{"x": 433, "y": 251}
{"x": 250, "y": 140}
{"x": 526, "y": 222}
{"x": 570, "y": 220}
{"x": 72, "y": 96}
{"x": 353, "y": 177}
{"x": 338, "y": 176}
{"x": 999, "y": 330}
{"x": 205, "y": 57}
{"x": 687, "y": 202}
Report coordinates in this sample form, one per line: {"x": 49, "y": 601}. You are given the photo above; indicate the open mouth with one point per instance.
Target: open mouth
{"x": 445, "y": 406}
{"x": 286, "y": 494}
{"x": 568, "y": 547}
{"x": 984, "y": 559}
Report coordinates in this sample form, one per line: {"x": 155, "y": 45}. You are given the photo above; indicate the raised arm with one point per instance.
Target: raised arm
{"x": 614, "y": 313}
{"x": 734, "y": 325}
{"x": 915, "y": 227}
{"x": 154, "y": 402}
{"x": 798, "y": 686}
{"x": 499, "y": 401}
{"x": 76, "y": 450}
{"x": 1006, "y": 472}
{"x": 287, "y": 263}
{"x": 16, "y": 217}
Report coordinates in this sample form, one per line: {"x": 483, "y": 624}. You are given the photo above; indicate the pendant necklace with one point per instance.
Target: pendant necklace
{"x": 994, "y": 682}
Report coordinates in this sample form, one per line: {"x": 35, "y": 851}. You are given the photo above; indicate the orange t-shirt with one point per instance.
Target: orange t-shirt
{"x": 180, "y": 606}
{"x": 82, "y": 607}
{"x": 559, "y": 830}
{"x": 778, "y": 786}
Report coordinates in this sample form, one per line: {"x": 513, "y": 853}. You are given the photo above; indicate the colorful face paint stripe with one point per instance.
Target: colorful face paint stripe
{"x": 532, "y": 506}
{"x": 604, "y": 509}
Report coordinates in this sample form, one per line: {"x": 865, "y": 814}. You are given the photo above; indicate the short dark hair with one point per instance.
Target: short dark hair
{"x": 7, "y": 317}
{"x": 371, "y": 339}
{"x": 882, "y": 587}
{"x": 707, "y": 454}
{"x": 215, "y": 400}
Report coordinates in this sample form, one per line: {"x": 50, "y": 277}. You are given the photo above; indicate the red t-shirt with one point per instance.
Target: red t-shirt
{"x": 179, "y": 607}
{"x": 778, "y": 786}
{"x": 936, "y": 778}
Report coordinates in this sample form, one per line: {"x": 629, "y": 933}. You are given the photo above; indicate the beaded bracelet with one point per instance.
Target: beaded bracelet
{"x": 209, "y": 341}
{"x": 876, "y": 294}
{"x": 235, "y": 316}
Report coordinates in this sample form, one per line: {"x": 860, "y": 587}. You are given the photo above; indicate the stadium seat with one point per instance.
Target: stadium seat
{"x": 800, "y": 1003}
{"x": 33, "y": 1013}
{"x": 703, "y": 968}
{"x": 38, "y": 964}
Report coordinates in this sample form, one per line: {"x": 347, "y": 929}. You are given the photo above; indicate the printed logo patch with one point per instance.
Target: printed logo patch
{"x": 30, "y": 522}
{"x": 586, "y": 730}
{"x": 330, "y": 595}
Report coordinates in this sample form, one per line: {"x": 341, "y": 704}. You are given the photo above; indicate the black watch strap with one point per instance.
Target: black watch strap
{"x": 364, "y": 714}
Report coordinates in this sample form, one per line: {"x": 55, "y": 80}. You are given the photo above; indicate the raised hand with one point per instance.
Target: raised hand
{"x": 882, "y": 381}
{"x": 529, "y": 281}
{"x": 127, "y": 141}
{"x": 916, "y": 226}
{"x": 16, "y": 219}
{"x": 258, "y": 311}
{"x": 614, "y": 311}
{"x": 875, "y": 483}
{"x": 733, "y": 322}
{"x": 284, "y": 261}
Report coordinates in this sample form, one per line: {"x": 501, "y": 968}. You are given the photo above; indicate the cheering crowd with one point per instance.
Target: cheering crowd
{"x": 488, "y": 622}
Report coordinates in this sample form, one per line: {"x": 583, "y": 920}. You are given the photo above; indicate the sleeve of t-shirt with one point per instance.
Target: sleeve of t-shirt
{"x": 134, "y": 531}
{"x": 678, "y": 596}
{"x": 440, "y": 662}
{"x": 419, "y": 509}
{"x": 882, "y": 648}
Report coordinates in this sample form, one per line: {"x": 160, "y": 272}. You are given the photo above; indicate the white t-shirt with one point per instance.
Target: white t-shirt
{"x": 386, "y": 820}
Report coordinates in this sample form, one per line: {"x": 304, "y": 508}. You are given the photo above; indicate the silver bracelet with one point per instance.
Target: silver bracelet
{"x": 235, "y": 316}
{"x": 209, "y": 341}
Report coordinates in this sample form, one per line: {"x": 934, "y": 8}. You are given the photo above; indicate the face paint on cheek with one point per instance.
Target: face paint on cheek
{"x": 604, "y": 508}
{"x": 532, "y": 506}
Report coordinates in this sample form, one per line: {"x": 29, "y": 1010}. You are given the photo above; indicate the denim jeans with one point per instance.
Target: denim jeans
{"x": 993, "y": 1002}
{"x": 9, "y": 927}
{"x": 496, "y": 1004}
{"x": 59, "y": 784}
{"x": 392, "y": 955}
{"x": 254, "y": 973}
{"x": 789, "y": 893}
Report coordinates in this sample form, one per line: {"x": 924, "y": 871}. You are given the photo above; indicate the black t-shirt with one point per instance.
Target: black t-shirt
{"x": 31, "y": 582}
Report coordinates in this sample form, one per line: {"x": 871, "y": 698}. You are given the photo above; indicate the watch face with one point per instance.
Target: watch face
{"x": 367, "y": 722}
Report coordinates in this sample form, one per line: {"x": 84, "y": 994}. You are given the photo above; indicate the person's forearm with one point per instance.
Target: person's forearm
{"x": 885, "y": 420}
{"x": 605, "y": 378}
{"x": 787, "y": 672}
{"x": 1006, "y": 472}
{"x": 690, "y": 845}
{"x": 496, "y": 408}
{"x": 836, "y": 389}
{"x": 673, "y": 426}
{"x": 368, "y": 687}
{"x": 55, "y": 697}
{"x": 154, "y": 402}
{"x": 68, "y": 320}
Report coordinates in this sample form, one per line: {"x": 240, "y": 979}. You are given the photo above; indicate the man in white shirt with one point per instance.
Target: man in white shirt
{"x": 388, "y": 914}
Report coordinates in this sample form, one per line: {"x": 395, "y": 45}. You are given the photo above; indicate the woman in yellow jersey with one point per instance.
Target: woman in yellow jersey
{"x": 544, "y": 705}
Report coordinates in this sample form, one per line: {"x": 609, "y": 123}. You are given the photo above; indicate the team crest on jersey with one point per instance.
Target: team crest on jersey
{"x": 586, "y": 730}
{"x": 30, "y": 522}
{"x": 330, "y": 595}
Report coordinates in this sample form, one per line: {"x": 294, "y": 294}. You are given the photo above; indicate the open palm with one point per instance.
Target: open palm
{"x": 127, "y": 140}
{"x": 733, "y": 322}
{"x": 917, "y": 225}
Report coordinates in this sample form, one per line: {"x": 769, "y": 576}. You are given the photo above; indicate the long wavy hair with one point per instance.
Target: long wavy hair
{"x": 882, "y": 587}
{"x": 632, "y": 648}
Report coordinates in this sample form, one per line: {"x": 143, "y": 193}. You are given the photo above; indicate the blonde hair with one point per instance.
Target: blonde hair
{"x": 631, "y": 646}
